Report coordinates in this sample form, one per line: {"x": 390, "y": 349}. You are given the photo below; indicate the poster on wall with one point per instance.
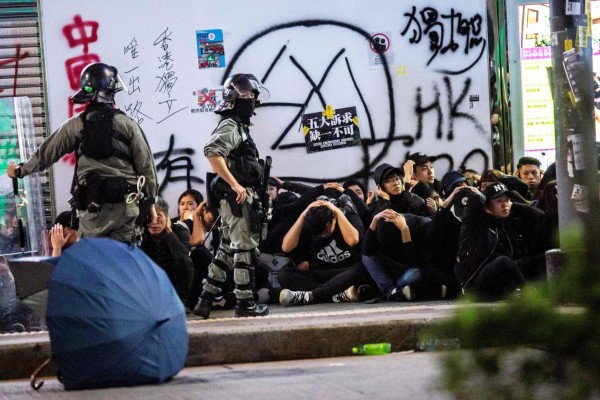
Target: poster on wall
{"x": 206, "y": 100}
{"x": 380, "y": 44}
{"x": 211, "y": 51}
{"x": 331, "y": 129}
{"x": 538, "y": 109}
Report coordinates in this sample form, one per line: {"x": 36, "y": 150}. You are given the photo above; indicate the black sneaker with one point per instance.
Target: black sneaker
{"x": 368, "y": 293}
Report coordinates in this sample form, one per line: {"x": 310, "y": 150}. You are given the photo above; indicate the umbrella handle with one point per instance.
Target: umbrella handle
{"x": 35, "y": 384}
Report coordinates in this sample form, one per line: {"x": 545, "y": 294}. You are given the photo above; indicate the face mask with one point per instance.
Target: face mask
{"x": 245, "y": 107}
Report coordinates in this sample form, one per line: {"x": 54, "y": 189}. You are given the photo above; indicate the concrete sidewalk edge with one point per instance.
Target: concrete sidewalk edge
{"x": 242, "y": 340}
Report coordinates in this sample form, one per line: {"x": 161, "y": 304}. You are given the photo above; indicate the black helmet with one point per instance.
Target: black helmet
{"x": 98, "y": 82}
{"x": 237, "y": 85}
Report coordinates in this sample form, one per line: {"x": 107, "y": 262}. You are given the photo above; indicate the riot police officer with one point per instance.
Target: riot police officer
{"x": 233, "y": 156}
{"x": 115, "y": 173}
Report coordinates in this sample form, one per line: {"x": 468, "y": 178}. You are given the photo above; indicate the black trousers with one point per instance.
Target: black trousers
{"x": 323, "y": 283}
{"x": 497, "y": 279}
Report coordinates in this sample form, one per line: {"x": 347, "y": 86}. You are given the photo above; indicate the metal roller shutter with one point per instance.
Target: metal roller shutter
{"x": 21, "y": 72}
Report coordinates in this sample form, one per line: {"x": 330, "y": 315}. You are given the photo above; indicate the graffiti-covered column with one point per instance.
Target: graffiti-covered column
{"x": 575, "y": 136}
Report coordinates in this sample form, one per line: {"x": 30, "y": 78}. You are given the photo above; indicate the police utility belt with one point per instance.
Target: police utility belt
{"x": 99, "y": 190}
{"x": 220, "y": 190}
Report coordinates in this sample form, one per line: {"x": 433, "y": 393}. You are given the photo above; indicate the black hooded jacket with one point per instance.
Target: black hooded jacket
{"x": 484, "y": 237}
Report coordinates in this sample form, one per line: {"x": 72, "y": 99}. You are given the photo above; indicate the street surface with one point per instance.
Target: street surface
{"x": 406, "y": 375}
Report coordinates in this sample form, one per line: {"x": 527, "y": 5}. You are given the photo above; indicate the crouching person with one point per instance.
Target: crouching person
{"x": 324, "y": 243}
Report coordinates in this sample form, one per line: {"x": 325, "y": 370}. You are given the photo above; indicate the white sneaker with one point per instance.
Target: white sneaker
{"x": 289, "y": 298}
{"x": 348, "y": 295}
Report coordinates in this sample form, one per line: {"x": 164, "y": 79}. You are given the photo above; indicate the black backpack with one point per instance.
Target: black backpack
{"x": 96, "y": 137}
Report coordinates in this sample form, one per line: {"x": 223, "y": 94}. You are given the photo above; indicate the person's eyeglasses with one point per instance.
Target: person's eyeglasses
{"x": 393, "y": 179}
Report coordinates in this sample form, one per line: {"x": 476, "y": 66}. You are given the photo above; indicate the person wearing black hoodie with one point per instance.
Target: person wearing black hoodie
{"x": 498, "y": 244}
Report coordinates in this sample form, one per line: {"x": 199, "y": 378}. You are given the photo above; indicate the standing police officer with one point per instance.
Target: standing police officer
{"x": 233, "y": 156}
{"x": 113, "y": 159}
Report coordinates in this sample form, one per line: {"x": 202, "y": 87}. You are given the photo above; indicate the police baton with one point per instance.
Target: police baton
{"x": 264, "y": 194}
{"x": 19, "y": 214}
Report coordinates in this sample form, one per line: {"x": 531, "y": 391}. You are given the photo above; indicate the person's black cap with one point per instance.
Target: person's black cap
{"x": 421, "y": 158}
{"x": 514, "y": 183}
{"x": 383, "y": 171}
{"x": 494, "y": 190}
{"x": 450, "y": 180}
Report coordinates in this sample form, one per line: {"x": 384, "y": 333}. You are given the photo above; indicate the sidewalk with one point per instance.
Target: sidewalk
{"x": 314, "y": 331}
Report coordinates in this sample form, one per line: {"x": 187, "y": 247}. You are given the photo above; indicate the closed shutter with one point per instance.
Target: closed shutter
{"x": 21, "y": 72}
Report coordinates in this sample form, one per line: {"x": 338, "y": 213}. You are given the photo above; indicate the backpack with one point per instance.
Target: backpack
{"x": 97, "y": 134}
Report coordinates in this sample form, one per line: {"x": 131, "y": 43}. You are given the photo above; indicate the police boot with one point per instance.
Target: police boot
{"x": 212, "y": 285}
{"x": 248, "y": 308}
{"x": 204, "y": 304}
{"x": 243, "y": 276}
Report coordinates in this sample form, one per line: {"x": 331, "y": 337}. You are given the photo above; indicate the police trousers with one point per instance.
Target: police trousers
{"x": 238, "y": 250}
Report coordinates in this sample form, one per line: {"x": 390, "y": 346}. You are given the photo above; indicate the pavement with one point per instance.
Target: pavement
{"x": 293, "y": 333}
{"x": 397, "y": 376}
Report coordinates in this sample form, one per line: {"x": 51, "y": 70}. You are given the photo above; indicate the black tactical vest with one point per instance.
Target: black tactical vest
{"x": 247, "y": 168}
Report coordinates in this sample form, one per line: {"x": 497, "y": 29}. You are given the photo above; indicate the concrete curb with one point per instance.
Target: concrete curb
{"x": 325, "y": 331}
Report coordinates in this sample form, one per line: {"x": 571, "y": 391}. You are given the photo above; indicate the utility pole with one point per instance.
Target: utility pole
{"x": 577, "y": 176}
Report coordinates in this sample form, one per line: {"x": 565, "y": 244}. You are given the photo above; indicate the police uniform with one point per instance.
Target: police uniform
{"x": 114, "y": 219}
{"x": 239, "y": 242}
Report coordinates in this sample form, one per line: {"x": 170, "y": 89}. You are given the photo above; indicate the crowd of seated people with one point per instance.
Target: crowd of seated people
{"x": 402, "y": 236}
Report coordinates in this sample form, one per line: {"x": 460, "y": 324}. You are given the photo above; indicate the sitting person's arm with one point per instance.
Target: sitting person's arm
{"x": 198, "y": 234}
{"x": 349, "y": 232}
{"x": 292, "y": 237}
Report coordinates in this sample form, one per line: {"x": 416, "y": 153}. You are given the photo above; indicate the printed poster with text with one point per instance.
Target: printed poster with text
{"x": 211, "y": 52}
{"x": 538, "y": 108}
{"x": 331, "y": 129}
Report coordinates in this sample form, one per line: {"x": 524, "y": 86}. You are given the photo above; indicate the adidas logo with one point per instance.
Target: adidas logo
{"x": 332, "y": 254}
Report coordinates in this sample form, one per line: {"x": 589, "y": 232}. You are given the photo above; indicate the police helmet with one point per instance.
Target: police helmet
{"x": 241, "y": 86}
{"x": 98, "y": 82}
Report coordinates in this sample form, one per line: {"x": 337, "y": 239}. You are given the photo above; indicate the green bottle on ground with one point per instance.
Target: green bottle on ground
{"x": 373, "y": 349}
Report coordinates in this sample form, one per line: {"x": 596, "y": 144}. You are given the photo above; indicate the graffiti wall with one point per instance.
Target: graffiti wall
{"x": 350, "y": 86}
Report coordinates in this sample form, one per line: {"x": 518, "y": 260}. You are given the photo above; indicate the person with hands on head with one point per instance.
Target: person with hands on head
{"x": 499, "y": 244}
{"x": 423, "y": 171}
{"x": 324, "y": 242}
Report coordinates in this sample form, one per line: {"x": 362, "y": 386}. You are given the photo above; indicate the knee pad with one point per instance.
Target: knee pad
{"x": 243, "y": 276}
